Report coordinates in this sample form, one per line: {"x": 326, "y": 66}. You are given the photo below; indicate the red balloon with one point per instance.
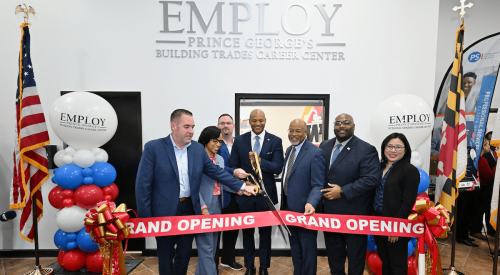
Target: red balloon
{"x": 375, "y": 264}
{"x": 68, "y": 193}
{"x": 87, "y": 196}
{"x": 56, "y": 197}
{"x": 107, "y": 197}
{"x": 114, "y": 191}
{"x": 107, "y": 190}
{"x": 60, "y": 258}
{"x": 74, "y": 259}
{"x": 94, "y": 262}
{"x": 411, "y": 265}
{"x": 68, "y": 202}
{"x": 368, "y": 253}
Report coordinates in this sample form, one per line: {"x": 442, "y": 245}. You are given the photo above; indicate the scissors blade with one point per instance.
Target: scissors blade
{"x": 276, "y": 213}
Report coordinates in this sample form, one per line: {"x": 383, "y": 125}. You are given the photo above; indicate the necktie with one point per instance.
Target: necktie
{"x": 256, "y": 146}
{"x": 291, "y": 160}
{"x": 335, "y": 153}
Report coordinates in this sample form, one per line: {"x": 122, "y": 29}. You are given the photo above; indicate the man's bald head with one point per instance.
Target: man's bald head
{"x": 344, "y": 115}
{"x": 257, "y": 121}
{"x": 297, "y": 131}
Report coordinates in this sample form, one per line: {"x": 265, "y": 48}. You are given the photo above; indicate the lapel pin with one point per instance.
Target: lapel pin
{"x": 268, "y": 139}
{"x": 348, "y": 148}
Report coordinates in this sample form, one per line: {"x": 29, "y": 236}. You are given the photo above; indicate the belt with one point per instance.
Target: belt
{"x": 184, "y": 198}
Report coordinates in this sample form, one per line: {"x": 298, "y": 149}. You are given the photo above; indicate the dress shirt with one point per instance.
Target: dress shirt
{"x": 229, "y": 147}
{"x": 297, "y": 150}
{"x": 341, "y": 147}
{"x": 216, "y": 184}
{"x": 181, "y": 157}
{"x": 261, "y": 140}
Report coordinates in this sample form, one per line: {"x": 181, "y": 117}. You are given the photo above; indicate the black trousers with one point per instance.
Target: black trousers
{"x": 475, "y": 211}
{"x": 177, "y": 248}
{"x": 228, "y": 237}
{"x": 339, "y": 246}
{"x": 485, "y": 195}
{"x": 393, "y": 255}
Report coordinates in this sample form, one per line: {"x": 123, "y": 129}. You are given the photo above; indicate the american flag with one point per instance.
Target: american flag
{"x": 453, "y": 152}
{"x": 31, "y": 136}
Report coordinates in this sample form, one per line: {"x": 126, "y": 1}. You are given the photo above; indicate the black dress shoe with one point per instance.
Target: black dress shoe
{"x": 250, "y": 271}
{"x": 233, "y": 265}
{"x": 466, "y": 242}
{"x": 263, "y": 271}
{"x": 471, "y": 240}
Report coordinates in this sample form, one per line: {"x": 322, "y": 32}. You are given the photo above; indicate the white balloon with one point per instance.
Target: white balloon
{"x": 407, "y": 114}
{"x": 84, "y": 158}
{"x": 417, "y": 163}
{"x": 70, "y": 219}
{"x": 67, "y": 159}
{"x": 415, "y": 154}
{"x": 69, "y": 151}
{"x": 105, "y": 155}
{"x": 99, "y": 158}
{"x": 96, "y": 151}
{"x": 83, "y": 120}
{"x": 58, "y": 158}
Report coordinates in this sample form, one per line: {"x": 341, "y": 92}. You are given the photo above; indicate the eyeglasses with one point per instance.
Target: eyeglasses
{"x": 291, "y": 131}
{"x": 397, "y": 147}
{"x": 345, "y": 122}
{"x": 225, "y": 123}
{"x": 220, "y": 141}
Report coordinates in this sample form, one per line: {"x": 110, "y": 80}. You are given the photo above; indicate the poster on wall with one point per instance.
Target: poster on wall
{"x": 279, "y": 114}
{"x": 480, "y": 70}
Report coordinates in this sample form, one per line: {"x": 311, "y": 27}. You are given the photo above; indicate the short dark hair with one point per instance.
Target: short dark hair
{"x": 470, "y": 74}
{"x": 402, "y": 137}
{"x": 225, "y": 115}
{"x": 178, "y": 113}
{"x": 209, "y": 133}
{"x": 489, "y": 133}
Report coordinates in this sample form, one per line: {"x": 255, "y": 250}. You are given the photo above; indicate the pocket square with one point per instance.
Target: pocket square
{"x": 269, "y": 153}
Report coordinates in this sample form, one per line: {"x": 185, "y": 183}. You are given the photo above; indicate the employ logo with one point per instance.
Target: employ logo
{"x": 475, "y": 56}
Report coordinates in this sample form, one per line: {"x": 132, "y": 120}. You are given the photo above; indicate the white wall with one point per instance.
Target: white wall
{"x": 110, "y": 46}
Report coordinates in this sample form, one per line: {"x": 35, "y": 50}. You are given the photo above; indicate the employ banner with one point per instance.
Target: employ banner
{"x": 352, "y": 224}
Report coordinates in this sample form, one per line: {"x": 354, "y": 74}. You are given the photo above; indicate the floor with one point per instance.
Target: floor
{"x": 469, "y": 260}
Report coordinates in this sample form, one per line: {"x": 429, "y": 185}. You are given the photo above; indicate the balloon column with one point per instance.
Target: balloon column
{"x": 372, "y": 257}
{"x": 85, "y": 121}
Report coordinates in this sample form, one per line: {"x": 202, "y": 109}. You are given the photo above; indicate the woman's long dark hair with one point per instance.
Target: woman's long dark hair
{"x": 209, "y": 133}
{"x": 402, "y": 137}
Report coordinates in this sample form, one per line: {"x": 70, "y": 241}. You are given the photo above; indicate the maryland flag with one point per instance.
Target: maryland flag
{"x": 31, "y": 136}
{"x": 453, "y": 152}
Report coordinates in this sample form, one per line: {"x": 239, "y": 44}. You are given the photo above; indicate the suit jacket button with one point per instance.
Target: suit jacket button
{"x": 175, "y": 205}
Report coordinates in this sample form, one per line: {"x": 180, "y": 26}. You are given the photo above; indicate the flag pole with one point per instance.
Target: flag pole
{"x": 497, "y": 234}
{"x": 35, "y": 229}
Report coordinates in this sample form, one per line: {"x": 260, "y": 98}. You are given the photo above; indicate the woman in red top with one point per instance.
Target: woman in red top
{"x": 486, "y": 175}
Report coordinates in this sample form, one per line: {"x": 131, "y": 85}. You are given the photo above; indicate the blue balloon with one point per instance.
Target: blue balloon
{"x": 55, "y": 170}
{"x": 371, "y": 246}
{"x": 87, "y": 172}
{"x": 69, "y": 177}
{"x": 54, "y": 179}
{"x": 71, "y": 237}
{"x": 60, "y": 240}
{"x": 411, "y": 248}
{"x": 85, "y": 242}
{"x": 103, "y": 173}
{"x": 88, "y": 180}
{"x": 414, "y": 241}
{"x": 424, "y": 181}
{"x": 71, "y": 245}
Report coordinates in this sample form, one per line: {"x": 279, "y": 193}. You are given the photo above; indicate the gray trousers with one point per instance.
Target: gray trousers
{"x": 206, "y": 243}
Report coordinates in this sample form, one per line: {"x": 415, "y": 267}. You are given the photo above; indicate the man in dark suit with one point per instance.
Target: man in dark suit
{"x": 270, "y": 151}
{"x": 168, "y": 184}
{"x": 352, "y": 174}
{"x": 302, "y": 180}
{"x": 226, "y": 125}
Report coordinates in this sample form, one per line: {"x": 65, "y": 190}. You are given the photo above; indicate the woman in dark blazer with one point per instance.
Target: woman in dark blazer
{"x": 395, "y": 197}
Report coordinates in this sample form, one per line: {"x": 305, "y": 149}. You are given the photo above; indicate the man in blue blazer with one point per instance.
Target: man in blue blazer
{"x": 229, "y": 205}
{"x": 270, "y": 151}
{"x": 302, "y": 181}
{"x": 168, "y": 184}
{"x": 352, "y": 174}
